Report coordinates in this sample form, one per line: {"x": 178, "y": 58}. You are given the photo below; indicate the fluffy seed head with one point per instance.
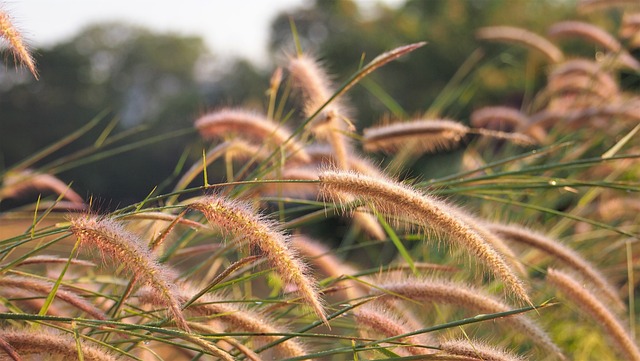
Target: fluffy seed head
{"x": 428, "y": 135}
{"x": 466, "y": 297}
{"x": 565, "y": 254}
{"x": 264, "y": 235}
{"x": 313, "y": 82}
{"x": 127, "y": 249}
{"x": 46, "y": 343}
{"x": 477, "y": 350}
{"x": 591, "y": 305}
{"x": 521, "y": 36}
{"x": 17, "y": 45}
{"x": 43, "y": 287}
{"x": 594, "y": 34}
{"x": 226, "y": 122}
{"x": 565, "y": 29}
{"x": 498, "y": 118}
{"x": 321, "y": 257}
{"x": 378, "y": 319}
{"x": 308, "y": 190}
{"x": 394, "y": 198}
{"x": 630, "y": 29}
{"x": 15, "y": 184}
{"x": 236, "y": 319}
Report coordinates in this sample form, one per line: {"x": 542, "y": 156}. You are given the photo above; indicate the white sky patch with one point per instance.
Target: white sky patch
{"x": 230, "y": 27}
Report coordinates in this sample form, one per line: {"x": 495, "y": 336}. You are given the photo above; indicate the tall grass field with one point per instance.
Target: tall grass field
{"x": 324, "y": 240}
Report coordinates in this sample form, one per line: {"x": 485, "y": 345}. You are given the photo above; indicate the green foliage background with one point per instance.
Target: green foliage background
{"x": 159, "y": 83}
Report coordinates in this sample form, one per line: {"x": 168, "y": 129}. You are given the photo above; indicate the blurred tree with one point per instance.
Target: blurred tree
{"x": 144, "y": 78}
{"x": 164, "y": 81}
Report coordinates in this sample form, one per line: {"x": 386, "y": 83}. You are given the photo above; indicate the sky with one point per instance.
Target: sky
{"x": 229, "y": 27}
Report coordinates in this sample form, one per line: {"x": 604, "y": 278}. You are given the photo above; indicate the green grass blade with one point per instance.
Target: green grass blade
{"x": 397, "y": 242}
{"x": 61, "y": 143}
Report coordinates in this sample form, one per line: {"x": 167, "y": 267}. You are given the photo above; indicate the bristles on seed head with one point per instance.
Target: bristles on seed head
{"x": 44, "y": 287}
{"x": 498, "y": 118}
{"x": 567, "y": 29}
{"x": 236, "y": 319}
{"x": 591, "y": 305}
{"x": 297, "y": 189}
{"x": 428, "y": 212}
{"x": 582, "y": 76}
{"x": 478, "y": 350}
{"x": 128, "y": 250}
{"x": 465, "y": 297}
{"x": 565, "y": 254}
{"x": 47, "y": 343}
{"x": 424, "y": 136}
{"x": 314, "y": 83}
{"x": 17, "y": 45}
{"x": 495, "y": 240}
{"x": 229, "y": 121}
{"x": 264, "y": 235}
{"x": 378, "y": 319}
{"x": 323, "y": 156}
{"x": 324, "y": 259}
{"x": 521, "y": 36}
{"x": 16, "y": 184}
{"x": 594, "y": 34}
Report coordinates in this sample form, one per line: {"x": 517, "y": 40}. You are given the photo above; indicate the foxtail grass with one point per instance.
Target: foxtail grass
{"x": 589, "y": 303}
{"x": 16, "y": 43}
{"x": 126, "y": 249}
{"x": 263, "y": 234}
{"x": 477, "y": 350}
{"x": 373, "y": 319}
{"x": 510, "y": 34}
{"x": 330, "y": 124}
{"x": 225, "y": 122}
{"x": 16, "y": 184}
{"x": 498, "y": 118}
{"x": 394, "y": 198}
{"x": 48, "y": 344}
{"x": 429, "y": 136}
{"x": 244, "y": 319}
{"x": 321, "y": 257}
{"x": 233, "y": 318}
{"x": 467, "y": 298}
{"x": 44, "y": 288}
{"x": 567, "y": 255}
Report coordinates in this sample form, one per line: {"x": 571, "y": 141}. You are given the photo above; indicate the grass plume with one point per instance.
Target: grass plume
{"x": 262, "y": 234}
{"x": 126, "y": 249}
{"x": 592, "y": 306}
{"x": 565, "y": 254}
{"x": 510, "y": 34}
{"x": 477, "y": 350}
{"x": 465, "y": 297}
{"x": 18, "y": 47}
{"x": 230, "y": 121}
{"x": 51, "y": 344}
{"x": 395, "y": 198}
